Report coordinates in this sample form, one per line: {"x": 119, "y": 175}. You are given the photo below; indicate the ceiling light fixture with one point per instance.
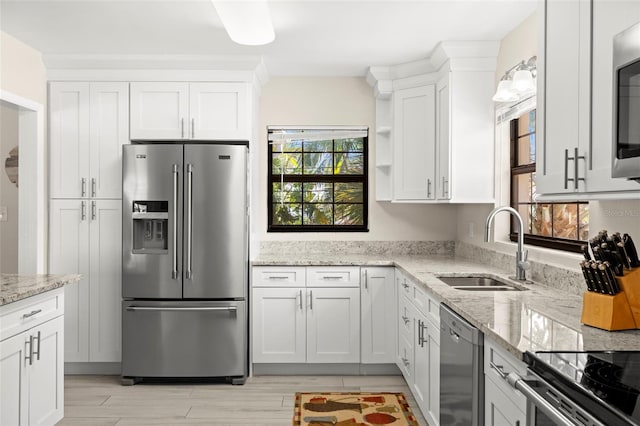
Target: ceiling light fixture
{"x": 518, "y": 82}
{"x": 247, "y": 22}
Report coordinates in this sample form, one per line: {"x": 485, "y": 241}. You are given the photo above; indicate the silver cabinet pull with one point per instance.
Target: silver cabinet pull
{"x": 174, "y": 261}
{"x": 575, "y": 179}
{"x": 93, "y": 210}
{"x": 83, "y": 211}
{"x": 405, "y": 319}
{"x": 499, "y": 369}
{"x": 93, "y": 187}
{"x": 178, "y": 308}
{"x": 404, "y": 284}
{"x": 188, "y": 213}
{"x": 331, "y": 278}
{"x": 193, "y": 128}
{"x": 428, "y": 188}
{"x": 32, "y": 313}
{"x": 277, "y": 277}
{"x": 37, "y": 352}
{"x": 83, "y": 187}
{"x": 366, "y": 283}
{"x": 182, "y": 128}
{"x": 301, "y": 299}
{"x": 311, "y": 300}
{"x": 29, "y": 353}
{"x": 444, "y": 186}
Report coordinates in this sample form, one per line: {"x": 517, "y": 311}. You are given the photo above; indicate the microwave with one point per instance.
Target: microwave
{"x": 626, "y": 104}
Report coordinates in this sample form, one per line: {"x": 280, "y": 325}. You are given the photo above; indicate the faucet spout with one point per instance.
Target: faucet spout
{"x": 521, "y": 255}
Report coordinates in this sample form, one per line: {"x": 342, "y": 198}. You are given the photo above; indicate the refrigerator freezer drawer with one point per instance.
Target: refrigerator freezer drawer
{"x": 184, "y": 339}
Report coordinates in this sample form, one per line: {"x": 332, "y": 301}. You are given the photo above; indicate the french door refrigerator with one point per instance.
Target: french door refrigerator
{"x": 185, "y": 261}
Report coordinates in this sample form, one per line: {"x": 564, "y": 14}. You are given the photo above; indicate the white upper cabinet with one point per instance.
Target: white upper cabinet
{"x": 88, "y": 126}
{"x": 575, "y": 99}
{"x": 414, "y": 143}
{"x": 192, "y": 111}
{"x": 442, "y": 131}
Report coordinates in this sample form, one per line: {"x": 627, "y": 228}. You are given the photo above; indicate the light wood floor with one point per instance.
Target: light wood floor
{"x": 263, "y": 400}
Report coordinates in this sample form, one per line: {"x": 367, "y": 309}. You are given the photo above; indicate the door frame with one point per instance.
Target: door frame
{"x": 31, "y": 192}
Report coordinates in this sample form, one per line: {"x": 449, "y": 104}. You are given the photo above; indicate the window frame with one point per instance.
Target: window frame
{"x": 556, "y": 243}
{"x": 327, "y": 178}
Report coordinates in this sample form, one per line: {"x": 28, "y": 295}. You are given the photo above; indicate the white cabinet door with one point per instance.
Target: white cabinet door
{"x": 69, "y": 140}
{"x": 443, "y": 113}
{"x": 159, "y": 111}
{"x": 13, "y": 381}
{"x": 105, "y": 283}
{"x": 219, "y": 111}
{"x": 46, "y": 377}
{"x": 69, "y": 254}
{"x": 279, "y": 325}
{"x": 498, "y": 409}
{"x": 426, "y": 373}
{"x": 565, "y": 99}
{"x": 414, "y": 143}
{"x": 432, "y": 408}
{"x": 378, "y": 315}
{"x": 333, "y": 325}
{"x": 109, "y": 130}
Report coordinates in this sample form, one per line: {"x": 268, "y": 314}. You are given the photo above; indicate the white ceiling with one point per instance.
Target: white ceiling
{"x": 313, "y": 37}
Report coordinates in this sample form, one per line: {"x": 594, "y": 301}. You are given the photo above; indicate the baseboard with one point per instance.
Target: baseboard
{"x": 325, "y": 370}
{"x": 107, "y": 368}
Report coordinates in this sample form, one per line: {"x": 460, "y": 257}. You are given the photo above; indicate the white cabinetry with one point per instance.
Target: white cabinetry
{"x": 503, "y": 405}
{"x": 31, "y": 360}
{"x": 441, "y": 128}
{"x": 313, "y": 320}
{"x": 418, "y": 355}
{"x": 88, "y": 126}
{"x": 85, "y": 237}
{"x": 414, "y": 143}
{"x": 378, "y": 315}
{"x": 575, "y": 99}
{"x": 196, "y": 111}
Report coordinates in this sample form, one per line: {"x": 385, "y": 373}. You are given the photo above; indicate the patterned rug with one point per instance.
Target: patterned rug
{"x": 352, "y": 409}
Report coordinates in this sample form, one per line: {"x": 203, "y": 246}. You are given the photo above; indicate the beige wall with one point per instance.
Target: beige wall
{"x": 21, "y": 70}
{"x": 308, "y": 101}
{"x": 8, "y": 191}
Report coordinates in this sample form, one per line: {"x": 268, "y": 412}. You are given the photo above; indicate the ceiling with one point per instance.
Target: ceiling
{"x": 313, "y": 37}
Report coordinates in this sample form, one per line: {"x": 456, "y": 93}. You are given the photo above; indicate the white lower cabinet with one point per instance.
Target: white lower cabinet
{"x": 85, "y": 237}
{"x": 503, "y": 405}
{"x": 418, "y": 354}
{"x": 319, "y": 324}
{"x": 31, "y": 361}
{"x": 378, "y": 314}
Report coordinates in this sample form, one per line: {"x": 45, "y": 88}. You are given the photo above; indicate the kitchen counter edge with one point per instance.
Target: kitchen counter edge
{"x": 15, "y": 287}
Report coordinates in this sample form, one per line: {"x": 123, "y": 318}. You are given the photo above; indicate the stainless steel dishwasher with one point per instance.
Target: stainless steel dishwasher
{"x": 461, "y": 371}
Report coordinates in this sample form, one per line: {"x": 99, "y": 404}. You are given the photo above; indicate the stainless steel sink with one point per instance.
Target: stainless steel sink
{"x": 479, "y": 283}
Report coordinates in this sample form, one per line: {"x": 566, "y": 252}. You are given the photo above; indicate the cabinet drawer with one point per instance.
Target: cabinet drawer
{"x": 278, "y": 276}
{"x": 508, "y": 363}
{"x": 425, "y": 303}
{"x": 24, "y": 314}
{"x": 333, "y": 276}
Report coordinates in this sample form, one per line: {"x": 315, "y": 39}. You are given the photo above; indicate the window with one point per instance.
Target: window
{"x": 563, "y": 226}
{"x": 317, "y": 179}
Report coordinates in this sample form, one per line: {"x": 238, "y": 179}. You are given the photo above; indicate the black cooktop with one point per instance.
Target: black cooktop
{"x": 607, "y": 384}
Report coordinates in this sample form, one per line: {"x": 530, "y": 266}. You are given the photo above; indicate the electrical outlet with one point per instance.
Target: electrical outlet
{"x": 3, "y": 214}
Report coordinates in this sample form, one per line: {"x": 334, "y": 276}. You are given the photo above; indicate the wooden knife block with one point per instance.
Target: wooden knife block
{"x": 618, "y": 312}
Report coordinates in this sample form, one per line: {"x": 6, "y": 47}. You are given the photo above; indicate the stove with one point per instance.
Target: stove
{"x": 605, "y": 384}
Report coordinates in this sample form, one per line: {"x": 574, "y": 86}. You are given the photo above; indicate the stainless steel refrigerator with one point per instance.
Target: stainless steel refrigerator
{"x": 185, "y": 261}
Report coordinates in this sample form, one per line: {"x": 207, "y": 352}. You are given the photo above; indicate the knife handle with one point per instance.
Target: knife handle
{"x": 586, "y": 276}
{"x": 631, "y": 250}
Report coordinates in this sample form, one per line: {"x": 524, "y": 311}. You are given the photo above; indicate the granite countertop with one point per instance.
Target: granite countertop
{"x": 541, "y": 318}
{"x": 14, "y": 287}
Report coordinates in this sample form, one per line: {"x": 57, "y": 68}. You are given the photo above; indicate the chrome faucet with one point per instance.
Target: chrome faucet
{"x": 521, "y": 255}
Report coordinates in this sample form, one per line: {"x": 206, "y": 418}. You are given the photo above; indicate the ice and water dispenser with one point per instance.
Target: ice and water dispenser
{"x": 150, "y": 227}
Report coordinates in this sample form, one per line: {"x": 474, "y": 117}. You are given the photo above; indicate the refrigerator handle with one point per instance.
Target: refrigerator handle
{"x": 174, "y": 269}
{"x": 187, "y": 215}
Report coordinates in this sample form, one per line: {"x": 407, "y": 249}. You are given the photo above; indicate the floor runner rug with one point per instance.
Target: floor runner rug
{"x": 352, "y": 409}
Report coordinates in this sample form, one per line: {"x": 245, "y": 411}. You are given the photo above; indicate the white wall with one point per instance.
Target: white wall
{"x": 8, "y": 191}
{"x": 308, "y": 101}
{"x": 21, "y": 70}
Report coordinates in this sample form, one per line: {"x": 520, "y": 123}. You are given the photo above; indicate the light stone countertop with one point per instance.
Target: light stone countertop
{"x": 541, "y": 318}
{"x": 14, "y": 287}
